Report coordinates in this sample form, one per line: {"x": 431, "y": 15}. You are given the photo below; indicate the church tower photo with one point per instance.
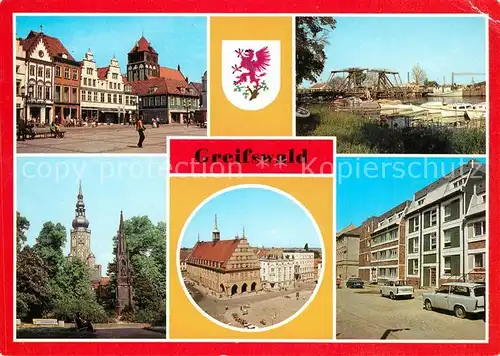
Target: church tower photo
{"x": 80, "y": 239}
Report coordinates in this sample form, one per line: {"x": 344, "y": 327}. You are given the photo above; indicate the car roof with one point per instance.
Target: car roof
{"x": 463, "y": 284}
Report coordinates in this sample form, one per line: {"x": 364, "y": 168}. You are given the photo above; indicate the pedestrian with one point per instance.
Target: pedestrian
{"x": 140, "y": 128}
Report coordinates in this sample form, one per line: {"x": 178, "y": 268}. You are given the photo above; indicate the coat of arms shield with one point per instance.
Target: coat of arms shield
{"x": 251, "y": 72}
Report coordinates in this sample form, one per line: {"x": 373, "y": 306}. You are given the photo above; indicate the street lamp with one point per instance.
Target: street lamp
{"x": 26, "y": 97}
{"x": 185, "y": 102}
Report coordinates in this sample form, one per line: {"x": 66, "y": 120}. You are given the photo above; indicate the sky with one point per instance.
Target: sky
{"x": 47, "y": 189}
{"x": 371, "y": 186}
{"x": 440, "y": 45}
{"x": 178, "y": 40}
{"x": 270, "y": 220}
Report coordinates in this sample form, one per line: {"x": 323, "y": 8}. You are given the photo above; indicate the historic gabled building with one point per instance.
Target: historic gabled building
{"x": 226, "y": 267}
{"x": 40, "y": 52}
{"x": 387, "y": 245}
{"x": 20, "y": 80}
{"x": 445, "y": 233}
{"x": 66, "y": 87}
{"x": 124, "y": 293}
{"x": 106, "y": 94}
{"x": 164, "y": 93}
{"x": 80, "y": 240}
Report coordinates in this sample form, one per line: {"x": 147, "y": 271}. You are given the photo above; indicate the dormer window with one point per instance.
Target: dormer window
{"x": 459, "y": 182}
{"x": 65, "y": 56}
{"x": 152, "y": 90}
{"x": 420, "y": 202}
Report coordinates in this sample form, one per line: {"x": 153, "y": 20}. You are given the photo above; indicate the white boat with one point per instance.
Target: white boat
{"x": 302, "y": 113}
{"x": 457, "y": 110}
{"x": 403, "y": 109}
{"x": 451, "y": 93}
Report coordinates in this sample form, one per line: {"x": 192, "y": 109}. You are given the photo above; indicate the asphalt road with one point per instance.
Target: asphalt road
{"x": 364, "y": 314}
{"x": 108, "y": 139}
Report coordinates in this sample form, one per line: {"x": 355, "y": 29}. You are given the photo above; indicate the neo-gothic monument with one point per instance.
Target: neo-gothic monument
{"x": 123, "y": 272}
{"x": 80, "y": 239}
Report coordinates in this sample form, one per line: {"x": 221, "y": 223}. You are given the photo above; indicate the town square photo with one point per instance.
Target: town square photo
{"x": 243, "y": 264}
{"x": 394, "y": 84}
{"x": 114, "y": 84}
{"x": 412, "y": 248}
{"x": 90, "y": 248}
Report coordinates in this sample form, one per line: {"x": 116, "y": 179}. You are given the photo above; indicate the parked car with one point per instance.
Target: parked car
{"x": 461, "y": 298}
{"x": 354, "y": 282}
{"x": 396, "y": 289}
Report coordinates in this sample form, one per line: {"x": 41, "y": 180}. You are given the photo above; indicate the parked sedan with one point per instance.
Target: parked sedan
{"x": 354, "y": 283}
{"x": 461, "y": 298}
{"x": 396, "y": 289}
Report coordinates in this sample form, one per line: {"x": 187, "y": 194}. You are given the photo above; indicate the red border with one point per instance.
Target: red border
{"x": 7, "y": 7}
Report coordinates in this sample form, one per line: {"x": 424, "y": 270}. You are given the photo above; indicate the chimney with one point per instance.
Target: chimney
{"x": 179, "y": 67}
{"x": 187, "y": 80}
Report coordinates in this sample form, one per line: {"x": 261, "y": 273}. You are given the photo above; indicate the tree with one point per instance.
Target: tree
{"x": 431, "y": 83}
{"x": 311, "y": 39}
{"x": 22, "y": 226}
{"x": 306, "y": 247}
{"x": 73, "y": 293}
{"x": 419, "y": 75}
{"x": 33, "y": 292}
{"x": 49, "y": 246}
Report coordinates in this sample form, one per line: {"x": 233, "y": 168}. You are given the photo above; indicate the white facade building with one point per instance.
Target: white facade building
{"x": 20, "y": 79}
{"x": 303, "y": 265}
{"x": 105, "y": 94}
{"x": 40, "y": 77}
{"x": 276, "y": 273}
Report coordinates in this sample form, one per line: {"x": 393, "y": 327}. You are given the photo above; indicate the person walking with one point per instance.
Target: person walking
{"x": 140, "y": 128}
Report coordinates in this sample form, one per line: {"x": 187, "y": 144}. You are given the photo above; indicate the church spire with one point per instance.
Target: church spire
{"x": 80, "y": 221}
{"x": 215, "y": 232}
{"x": 121, "y": 237}
{"x": 244, "y": 237}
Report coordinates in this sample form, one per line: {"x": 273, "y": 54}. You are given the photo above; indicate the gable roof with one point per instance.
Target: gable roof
{"x": 215, "y": 251}
{"x": 197, "y": 86}
{"x": 142, "y": 46}
{"x": 102, "y": 73}
{"x": 54, "y": 45}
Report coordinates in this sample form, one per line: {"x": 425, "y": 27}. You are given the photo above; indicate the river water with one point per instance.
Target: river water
{"x": 447, "y": 100}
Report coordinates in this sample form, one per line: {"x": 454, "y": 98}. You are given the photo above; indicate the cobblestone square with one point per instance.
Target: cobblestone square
{"x": 108, "y": 139}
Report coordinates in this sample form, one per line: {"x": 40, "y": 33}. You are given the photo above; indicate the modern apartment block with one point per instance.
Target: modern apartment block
{"x": 446, "y": 229}
{"x": 366, "y": 271}
{"x": 387, "y": 245}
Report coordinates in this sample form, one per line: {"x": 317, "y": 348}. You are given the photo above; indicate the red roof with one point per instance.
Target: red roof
{"x": 163, "y": 86}
{"x": 173, "y": 74}
{"x": 261, "y": 253}
{"x": 102, "y": 73}
{"x": 53, "y": 45}
{"x": 215, "y": 251}
{"x": 142, "y": 46}
{"x": 197, "y": 86}
{"x": 184, "y": 255}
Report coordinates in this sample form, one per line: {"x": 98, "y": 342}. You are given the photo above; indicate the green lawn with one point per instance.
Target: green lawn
{"x": 356, "y": 134}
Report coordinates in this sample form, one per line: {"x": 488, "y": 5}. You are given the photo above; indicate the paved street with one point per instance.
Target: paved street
{"x": 364, "y": 314}
{"x": 108, "y": 139}
{"x": 274, "y": 307}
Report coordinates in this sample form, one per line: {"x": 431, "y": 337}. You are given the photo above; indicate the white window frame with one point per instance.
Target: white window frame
{"x": 483, "y": 255}
{"x": 447, "y": 270}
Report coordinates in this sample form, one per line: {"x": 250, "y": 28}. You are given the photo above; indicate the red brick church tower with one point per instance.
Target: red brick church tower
{"x": 123, "y": 272}
{"x": 142, "y": 61}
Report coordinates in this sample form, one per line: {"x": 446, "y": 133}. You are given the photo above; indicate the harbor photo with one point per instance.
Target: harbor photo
{"x": 250, "y": 258}
{"x": 393, "y": 84}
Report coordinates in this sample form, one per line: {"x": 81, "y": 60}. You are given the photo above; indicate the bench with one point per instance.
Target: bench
{"x": 47, "y": 133}
{"x": 45, "y": 322}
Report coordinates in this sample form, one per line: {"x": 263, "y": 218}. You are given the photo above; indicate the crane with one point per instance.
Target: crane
{"x": 458, "y": 74}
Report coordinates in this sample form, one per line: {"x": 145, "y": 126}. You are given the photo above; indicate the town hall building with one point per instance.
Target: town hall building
{"x": 226, "y": 267}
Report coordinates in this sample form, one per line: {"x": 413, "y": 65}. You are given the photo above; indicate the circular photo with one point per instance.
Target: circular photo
{"x": 250, "y": 257}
